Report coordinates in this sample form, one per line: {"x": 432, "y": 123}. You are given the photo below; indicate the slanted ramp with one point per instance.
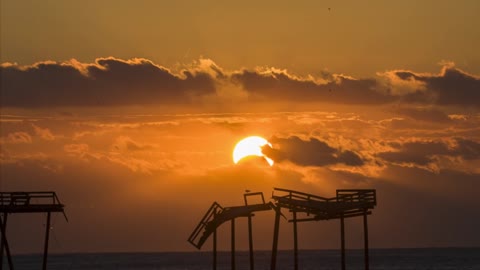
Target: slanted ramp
{"x": 204, "y": 227}
{"x": 216, "y": 215}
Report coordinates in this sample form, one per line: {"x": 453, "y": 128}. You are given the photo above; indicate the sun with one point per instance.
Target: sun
{"x": 250, "y": 146}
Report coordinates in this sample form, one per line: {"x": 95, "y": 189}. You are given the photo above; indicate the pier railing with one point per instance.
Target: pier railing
{"x": 367, "y": 196}
{"x": 29, "y": 198}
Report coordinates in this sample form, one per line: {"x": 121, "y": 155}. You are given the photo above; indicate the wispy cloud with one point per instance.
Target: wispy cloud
{"x": 16, "y": 137}
{"x": 44, "y": 133}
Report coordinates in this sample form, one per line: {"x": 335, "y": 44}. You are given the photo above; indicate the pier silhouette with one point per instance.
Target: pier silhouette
{"x": 304, "y": 207}
{"x": 27, "y": 202}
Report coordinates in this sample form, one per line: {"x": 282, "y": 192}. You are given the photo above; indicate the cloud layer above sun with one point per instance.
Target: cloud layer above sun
{"x": 116, "y": 82}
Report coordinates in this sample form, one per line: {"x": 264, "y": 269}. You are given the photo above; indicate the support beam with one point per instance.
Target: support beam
{"x": 47, "y": 235}
{"x": 342, "y": 240}
{"x": 233, "y": 244}
{"x": 3, "y": 229}
{"x": 295, "y": 241}
{"x": 365, "y": 238}
{"x": 250, "y": 241}
{"x": 275, "y": 239}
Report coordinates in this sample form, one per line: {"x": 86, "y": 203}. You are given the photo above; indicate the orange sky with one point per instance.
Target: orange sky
{"x": 354, "y": 37}
{"x": 131, "y": 112}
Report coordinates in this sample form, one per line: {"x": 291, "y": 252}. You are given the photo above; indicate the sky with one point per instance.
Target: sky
{"x": 130, "y": 111}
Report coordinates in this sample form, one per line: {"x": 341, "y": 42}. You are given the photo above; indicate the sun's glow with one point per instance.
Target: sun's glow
{"x": 250, "y": 146}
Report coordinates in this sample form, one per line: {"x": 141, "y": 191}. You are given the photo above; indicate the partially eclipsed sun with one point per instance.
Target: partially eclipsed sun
{"x": 250, "y": 146}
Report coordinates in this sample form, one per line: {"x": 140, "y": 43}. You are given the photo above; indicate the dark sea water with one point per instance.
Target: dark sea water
{"x": 432, "y": 259}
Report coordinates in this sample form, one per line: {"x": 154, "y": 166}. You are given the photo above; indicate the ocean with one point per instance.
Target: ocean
{"x": 380, "y": 259}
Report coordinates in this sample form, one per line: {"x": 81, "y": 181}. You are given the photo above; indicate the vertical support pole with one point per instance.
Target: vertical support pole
{"x": 365, "y": 237}
{"x": 342, "y": 240}
{"x": 2, "y": 244}
{"x": 215, "y": 248}
{"x": 275, "y": 239}
{"x": 47, "y": 235}
{"x": 3, "y": 229}
{"x": 295, "y": 241}
{"x": 233, "y": 244}
{"x": 250, "y": 240}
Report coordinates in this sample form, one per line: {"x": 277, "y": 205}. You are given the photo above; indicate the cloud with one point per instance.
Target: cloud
{"x": 116, "y": 82}
{"x": 425, "y": 114}
{"x": 108, "y": 81}
{"x": 467, "y": 149}
{"x": 80, "y": 150}
{"x": 451, "y": 86}
{"x": 84, "y": 153}
{"x": 281, "y": 86}
{"x": 311, "y": 152}
{"x": 44, "y": 133}
{"x": 17, "y": 137}
{"x": 127, "y": 144}
{"x": 423, "y": 153}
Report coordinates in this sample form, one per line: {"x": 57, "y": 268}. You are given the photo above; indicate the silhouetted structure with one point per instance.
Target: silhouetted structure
{"x": 217, "y": 215}
{"x": 27, "y": 202}
{"x": 346, "y": 204}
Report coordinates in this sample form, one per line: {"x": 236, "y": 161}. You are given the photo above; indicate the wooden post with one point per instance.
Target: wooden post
{"x": 233, "y": 244}
{"x": 2, "y": 245}
{"x": 47, "y": 234}
{"x": 3, "y": 229}
{"x": 295, "y": 241}
{"x": 275, "y": 239}
{"x": 342, "y": 240}
{"x": 365, "y": 237}
{"x": 250, "y": 241}
{"x": 215, "y": 249}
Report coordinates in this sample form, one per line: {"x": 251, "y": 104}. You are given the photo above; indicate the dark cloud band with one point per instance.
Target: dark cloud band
{"x": 115, "y": 82}
{"x": 311, "y": 152}
{"x": 108, "y": 82}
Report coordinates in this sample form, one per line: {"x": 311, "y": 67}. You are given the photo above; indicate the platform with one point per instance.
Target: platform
{"x": 27, "y": 202}
{"x": 346, "y": 203}
{"x": 308, "y": 207}
{"x": 30, "y": 202}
